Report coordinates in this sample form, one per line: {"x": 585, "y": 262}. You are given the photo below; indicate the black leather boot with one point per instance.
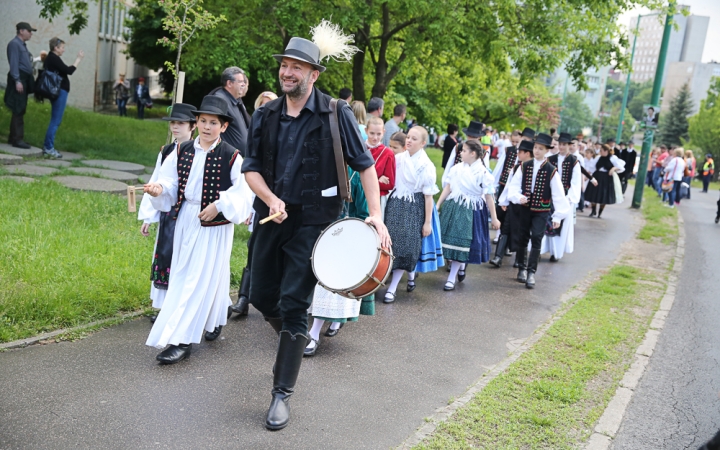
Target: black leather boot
{"x": 243, "y": 304}
{"x": 287, "y": 367}
{"x": 521, "y": 256}
{"x": 499, "y": 251}
{"x": 174, "y": 354}
{"x": 532, "y": 268}
{"x": 212, "y": 335}
{"x": 276, "y": 323}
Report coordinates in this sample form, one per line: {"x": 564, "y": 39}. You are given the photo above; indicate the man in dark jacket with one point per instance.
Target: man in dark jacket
{"x": 233, "y": 87}
{"x": 19, "y": 83}
{"x": 290, "y": 165}
{"x": 142, "y": 98}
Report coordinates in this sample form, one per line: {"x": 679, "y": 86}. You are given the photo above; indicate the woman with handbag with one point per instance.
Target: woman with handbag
{"x": 53, "y": 63}
{"x": 674, "y": 172}
{"x": 122, "y": 94}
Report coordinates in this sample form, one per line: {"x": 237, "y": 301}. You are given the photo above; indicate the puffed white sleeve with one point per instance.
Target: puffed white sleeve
{"x": 146, "y": 212}
{"x": 573, "y": 194}
{"x": 488, "y": 183}
{"x": 168, "y": 179}
{"x": 448, "y": 166}
{"x": 514, "y": 187}
{"x": 503, "y": 200}
{"x": 236, "y": 202}
{"x": 560, "y": 202}
{"x": 497, "y": 171}
{"x": 430, "y": 180}
{"x": 618, "y": 163}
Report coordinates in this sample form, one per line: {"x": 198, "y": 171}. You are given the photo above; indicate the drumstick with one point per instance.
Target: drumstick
{"x": 269, "y": 218}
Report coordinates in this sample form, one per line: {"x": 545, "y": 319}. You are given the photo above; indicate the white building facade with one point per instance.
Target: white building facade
{"x": 698, "y": 77}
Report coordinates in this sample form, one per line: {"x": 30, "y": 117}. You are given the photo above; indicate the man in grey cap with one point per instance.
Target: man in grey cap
{"x": 20, "y": 82}
{"x": 290, "y": 165}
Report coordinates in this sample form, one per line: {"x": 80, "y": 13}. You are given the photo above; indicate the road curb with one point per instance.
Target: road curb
{"x": 609, "y": 423}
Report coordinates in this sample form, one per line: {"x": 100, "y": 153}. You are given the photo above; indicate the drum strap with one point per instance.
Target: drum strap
{"x": 343, "y": 182}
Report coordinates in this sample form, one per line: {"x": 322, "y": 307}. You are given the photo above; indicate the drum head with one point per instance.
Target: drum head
{"x": 345, "y": 254}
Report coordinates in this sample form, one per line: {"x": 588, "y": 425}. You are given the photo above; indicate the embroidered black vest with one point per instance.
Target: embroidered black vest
{"x": 318, "y": 161}
{"x": 539, "y": 200}
{"x": 510, "y": 158}
{"x": 216, "y": 176}
{"x": 566, "y": 171}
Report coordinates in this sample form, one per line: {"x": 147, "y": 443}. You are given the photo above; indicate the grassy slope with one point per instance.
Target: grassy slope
{"x": 68, "y": 258}
{"x": 97, "y": 136}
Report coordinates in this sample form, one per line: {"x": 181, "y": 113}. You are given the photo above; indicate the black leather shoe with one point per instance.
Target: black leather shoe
{"x": 449, "y": 286}
{"x": 242, "y": 306}
{"x": 516, "y": 264}
{"x": 278, "y": 415}
{"x": 174, "y": 354}
{"x": 212, "y": 335}
{"x": 389, "y": 297}
{"x": 717, "y": 219}
{"x": 461, "y": 275}
{"x": 309, "y": 351}
{"x": 553, "y": 258}
{"x": 153, "y": 318}
{"x": 496, "y": 261}
{"x": 21, "y": 144}
{"x": 522, "y": 275}
{"x": 330, "y": 332}
{"x": 530, "y": 283}
{"x": 411, "y": 286}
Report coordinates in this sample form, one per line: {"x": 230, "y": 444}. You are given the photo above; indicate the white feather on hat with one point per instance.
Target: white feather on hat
{"x": 332, "y": 42}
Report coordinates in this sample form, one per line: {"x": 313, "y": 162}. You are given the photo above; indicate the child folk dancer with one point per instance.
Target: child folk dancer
{"x": 384, "y": 159}
{"x": 538, "y": 188}
{"x": 464, "y": 219}
{"x": 603, "y": 193}
{"x": 562, "y": 240}
{"x": 524, "y": 153}
{"x": 202, "y": 186}
{"x": 409, "y": 211}
{"x": 397, "y": 142}
{"x": 333, "y": 308}
{"x": 504, "y": 166}
{"x": 182, "y": 125}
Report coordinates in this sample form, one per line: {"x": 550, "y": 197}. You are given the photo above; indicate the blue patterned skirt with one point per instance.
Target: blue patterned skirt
{"x": 466, "y": 233}
{"x": 431, "y": 253}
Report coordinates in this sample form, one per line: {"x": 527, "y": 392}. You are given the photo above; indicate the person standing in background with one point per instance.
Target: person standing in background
{"x": 20, "y": 83}
{"x": 392, "y": 125}
{"x": 450, "y": 142}
{"x": 142, "y": 98}
{"x": 708, "y": 171}
{"x": 375, "y": 107}
{"x": 358, "y": 109}
{"x": 345, "y": 94}
{"x": 234, "y": 86}
{"x": 54, "y": 63}
{"x": 122, "y": 94}
{"x": 690, "y": 170}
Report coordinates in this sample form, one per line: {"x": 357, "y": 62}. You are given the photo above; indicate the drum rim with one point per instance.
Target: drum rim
{"x": 366, "y": 276}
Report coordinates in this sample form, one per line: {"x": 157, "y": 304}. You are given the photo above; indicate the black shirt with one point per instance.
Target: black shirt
{"x": 291, "y": 139}
{"x": 55, "y": 64}
{"x": 237, "y": 130}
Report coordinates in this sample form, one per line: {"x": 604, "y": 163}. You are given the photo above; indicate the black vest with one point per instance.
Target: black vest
{"x": 510, "y": 158}
{"x": 166, "y": 151}
{"x": 539, "y": 200}
{"x": 216, "y": 178}
{"x": 566, "y": 171}
{"x": 318, "y": 161}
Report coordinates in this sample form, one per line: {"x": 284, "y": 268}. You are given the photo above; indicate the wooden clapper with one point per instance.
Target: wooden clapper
{"x": 132, "y": 202}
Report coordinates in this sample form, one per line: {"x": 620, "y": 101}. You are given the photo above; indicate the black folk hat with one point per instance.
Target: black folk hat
{"x": 181, "y": 112}
{"x": 544, "y": 139}
{"x": 528, "y": 132}
{"x": 526, "y": 146}
{"x": 215, "y": 106}
{"x": 302, "y": 50}
{"x": 475, "y": 129}
{"x": 565, "y": 137}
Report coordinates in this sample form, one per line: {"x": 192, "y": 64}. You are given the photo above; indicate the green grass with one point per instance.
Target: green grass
{"x": 660, "y": 221}
{"x": 555, "y": 392}
{"x": 68, "y": 258}
{"x": 97, "y": 136}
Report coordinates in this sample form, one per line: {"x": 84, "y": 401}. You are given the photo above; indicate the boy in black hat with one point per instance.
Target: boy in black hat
{"x": 501, "y": 173}
{"x": 528, "y": 134}
{"x": 524, "y": 153}
{"x": 182, "y": 125}
{"x": 204, "y": 191}
{"x": 538, "y": 188}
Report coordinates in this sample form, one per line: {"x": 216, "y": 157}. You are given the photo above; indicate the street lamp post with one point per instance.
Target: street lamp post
{"x": 602, "y": 113}
{"x": 618, "y": 136}
{"x": 654, "y": 100}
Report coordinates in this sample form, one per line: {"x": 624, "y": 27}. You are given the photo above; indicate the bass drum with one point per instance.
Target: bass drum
{"x": 349, "y": 261}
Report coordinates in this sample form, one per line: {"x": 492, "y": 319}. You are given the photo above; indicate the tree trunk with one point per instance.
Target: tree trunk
{"x": 358, "y": 75}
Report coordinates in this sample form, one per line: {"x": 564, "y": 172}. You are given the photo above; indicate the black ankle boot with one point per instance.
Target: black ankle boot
{"x": 499, "y": 251}
{"x": 287, "y": 367}
{"x": 212, "y": 335}
{"x": 532, "y": 268}
{"x": 593, "y": 212}
{"x": 521, "y": 259}
{"x": 174, "y": 354}
{"x": 243, "y": 304}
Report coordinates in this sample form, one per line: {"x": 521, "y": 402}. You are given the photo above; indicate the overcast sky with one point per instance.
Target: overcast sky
{"x": 710, "y": 8}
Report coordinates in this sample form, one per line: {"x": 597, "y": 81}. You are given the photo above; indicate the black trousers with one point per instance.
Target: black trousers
{"x": 498, "y": 210}
{"x": 140, "y": 110}
{"x": 531, "y": 227}
{"x": 17, "y": 128}
{"x": 281, "y": 275}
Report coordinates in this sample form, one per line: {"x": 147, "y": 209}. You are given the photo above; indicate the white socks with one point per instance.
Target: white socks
{"x": 335, "y": 325}
{"x": 454, "y": 269}
{"x": 315, "y": 330}
{"x": 396, "y": 276}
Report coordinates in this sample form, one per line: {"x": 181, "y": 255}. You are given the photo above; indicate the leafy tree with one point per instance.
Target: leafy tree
{"x": 610, "y": 125}
{"x": 77, "y": 12}
{"x": 145, "y": 27}
{"x": 641, "y": 98}
{"x": 575, "y": 114}
{"x": 674, "y": 127}
{"x": 705, "y": 125}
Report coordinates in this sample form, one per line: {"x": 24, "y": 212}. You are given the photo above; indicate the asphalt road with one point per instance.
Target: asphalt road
{"x": 370, "y": 386}
{"x": 677, "y": 403}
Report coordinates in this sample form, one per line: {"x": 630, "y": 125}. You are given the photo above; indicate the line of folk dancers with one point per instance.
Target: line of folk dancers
{"x": 530, "y": 198}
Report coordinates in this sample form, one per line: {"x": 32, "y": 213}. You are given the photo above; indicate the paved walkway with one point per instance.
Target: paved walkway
{"x": 676, "y": 405}
{"x": 370, "y": 386}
